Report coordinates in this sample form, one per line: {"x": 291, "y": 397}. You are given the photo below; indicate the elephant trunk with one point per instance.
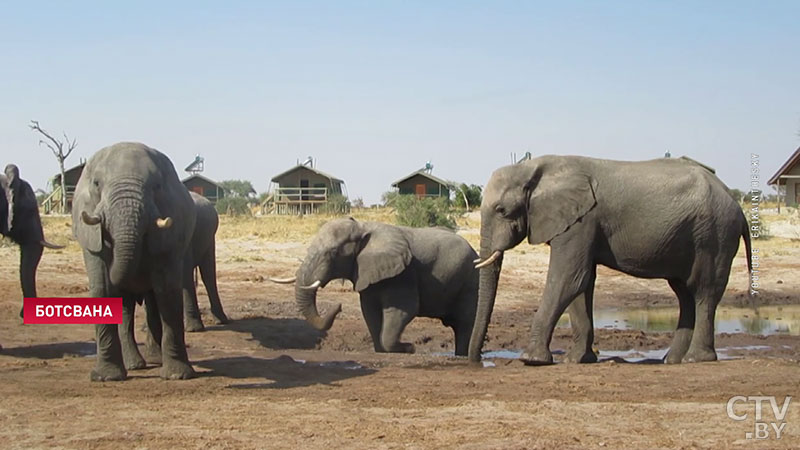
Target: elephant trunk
{"x": 126, "y": 225}
{"x": 306, "y": 300}
{"x": 487, "y": 291}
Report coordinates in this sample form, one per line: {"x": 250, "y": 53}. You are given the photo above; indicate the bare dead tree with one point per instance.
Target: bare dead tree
{"x": 60, "y": 152}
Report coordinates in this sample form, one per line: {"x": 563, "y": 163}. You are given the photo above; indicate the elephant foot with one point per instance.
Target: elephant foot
{"x": 537, "y": 357}
{"x": 673, "y": 357}
{"x": 194, "y": 325}
{"x": 135, "y": 362}
{"x": 153, "y": 355}
{"x": 173, "y": 369}
{"x": 108, "y": 372}
{"x": 219, "y": 317}
{"x": 696, "y": 355}
{"x": 400, "y": 347}
{"x": 580, "y": 356}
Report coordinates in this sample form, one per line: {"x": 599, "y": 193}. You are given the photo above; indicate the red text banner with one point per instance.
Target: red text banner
{"x": 70, "y": 310}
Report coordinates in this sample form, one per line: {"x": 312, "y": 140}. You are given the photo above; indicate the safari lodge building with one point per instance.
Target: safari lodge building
{"x": 422, "y": 184}
{"x": 788, "y": 177}
{"x": 302, "y": 190}
{"x": 204, "y": 186}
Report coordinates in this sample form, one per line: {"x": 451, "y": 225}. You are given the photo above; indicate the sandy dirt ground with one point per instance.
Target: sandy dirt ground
{"x": 268, "y": 380}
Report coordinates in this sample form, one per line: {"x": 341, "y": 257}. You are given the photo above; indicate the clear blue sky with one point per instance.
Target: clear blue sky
{"x": 373, "y": 90}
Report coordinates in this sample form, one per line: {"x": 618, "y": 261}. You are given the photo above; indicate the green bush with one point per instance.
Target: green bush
{"x": 233, "y": 206}
{"x": 422, "y": 212}
{"x": 473, "y": 194}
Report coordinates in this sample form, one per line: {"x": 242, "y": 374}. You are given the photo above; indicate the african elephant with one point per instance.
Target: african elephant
{"x": 20, "y": 221}
{"x": 202, "y": 254}
{"x": 664, "y": 218}
{"x": 134, "y": 220}
{"x": 399, "y": 272}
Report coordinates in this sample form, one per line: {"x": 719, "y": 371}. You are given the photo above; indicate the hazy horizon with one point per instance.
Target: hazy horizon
{"x": 374, "y": 90}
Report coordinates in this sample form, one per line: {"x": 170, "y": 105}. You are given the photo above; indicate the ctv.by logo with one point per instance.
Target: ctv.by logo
{"x": 762, "y": 429}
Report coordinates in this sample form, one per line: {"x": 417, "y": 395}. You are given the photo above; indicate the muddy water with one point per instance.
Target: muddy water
{"x": 766, "y": 320}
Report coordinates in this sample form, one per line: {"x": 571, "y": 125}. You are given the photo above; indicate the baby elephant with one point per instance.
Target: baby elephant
{"x": 202, "y": 253}
{"x": 399, "y": 272}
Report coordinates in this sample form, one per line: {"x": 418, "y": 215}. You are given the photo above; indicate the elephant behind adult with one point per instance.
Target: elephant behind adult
{"x": 202, "y": 254}
{"x": 20, "y": 222}
{"x": 399, "y": 272}
{"x": 665, "y": 218}
{"x": 134, "y": 220}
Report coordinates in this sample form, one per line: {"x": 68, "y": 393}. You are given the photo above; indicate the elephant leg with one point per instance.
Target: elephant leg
{"x": 569, "y": 275}
{"x": 686, "y": 319}
{"x": 582, "y": 323}
{"x": 130, "y": 351}
{"x": 174, "y": 360}
{"x": 208, "y": 271}
{"x": 191, "y": 311}
{"x": 395, "y": 319}
{"x": 154, "y": 333}
{"x": 464, "y": 318}
{"x": 701, "y": 347}
{"x": 109, "y": 365}
{"x": 29, "y": 257}
{"x": 372, "y": 311}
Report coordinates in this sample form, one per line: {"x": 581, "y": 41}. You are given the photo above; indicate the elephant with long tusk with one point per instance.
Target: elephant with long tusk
{"x": 399, "y": 273}
{"x": 20, "y": 222}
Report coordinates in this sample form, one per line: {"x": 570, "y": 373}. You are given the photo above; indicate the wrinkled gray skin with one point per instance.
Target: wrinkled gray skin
{"x": 134, "y": 220}
{"x": 202, "y": 254}
{"x": 399, "y": 273}
{"x": 20, "y": 222}
{"x": 665, "y": 218}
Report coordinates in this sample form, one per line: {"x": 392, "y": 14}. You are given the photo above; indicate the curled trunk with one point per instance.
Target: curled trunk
{"x": 487, "y": 292}
{"x": 306, "y": 300}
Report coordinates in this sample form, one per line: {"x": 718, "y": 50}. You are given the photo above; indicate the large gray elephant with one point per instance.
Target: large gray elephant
{"x": 399, "y": 272}
{"x": 202, "y": 254}
{"x": 135, "y": 219}
{"x": 665, "y": 218}
{"x": 20, "y": 222}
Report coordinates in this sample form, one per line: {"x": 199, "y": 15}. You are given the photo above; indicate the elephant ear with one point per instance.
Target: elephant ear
{"x": 90, "y": 237}
{"x": 385, "y": 253}
{"x": 557, "y": 202}
{"x": 5, "y": 206}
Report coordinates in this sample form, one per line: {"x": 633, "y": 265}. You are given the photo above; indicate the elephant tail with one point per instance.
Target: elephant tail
{"x": 51, "y": 246}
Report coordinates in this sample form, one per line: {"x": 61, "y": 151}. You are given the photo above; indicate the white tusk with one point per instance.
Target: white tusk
{"x": 489, "y": 260}
{"x": 89, "y": 220}
{"x": 476, "y": 261}
{"x": 283, "y": 280}
{"x": 314, "y": 285}
{"x": 164, "y": 223}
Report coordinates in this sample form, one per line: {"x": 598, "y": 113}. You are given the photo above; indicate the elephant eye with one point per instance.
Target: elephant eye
{"x": 501, "y": 210}
{"x": 96, "y": 183}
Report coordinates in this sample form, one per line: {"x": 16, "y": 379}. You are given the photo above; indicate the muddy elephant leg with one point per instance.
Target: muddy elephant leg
{"x": 174, "y": 360}
{"x": 29, "y": 257}
{"x": 152, "y": 349}
{"x": 372, "y": 311}
{"x": 400, "y": 303}
{"x": 686, "y": 320}
{"x": 208, "y": 271}
{"x": 568, "y": 276}
{"x": 464, "y": 319}
{"x": 582, "y": 323}
{"x": 191, "y": 311}
{"x": 130, "y": 351}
